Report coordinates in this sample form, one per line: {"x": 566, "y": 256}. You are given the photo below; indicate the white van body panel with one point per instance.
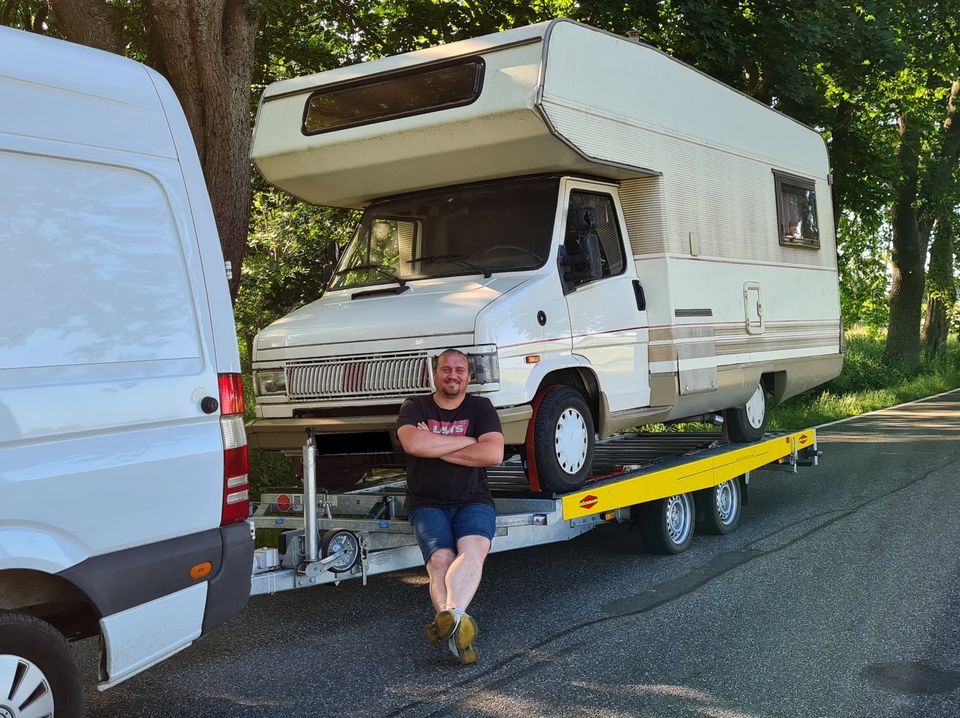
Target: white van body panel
{"x": 117, "y": 325}
{"x": 146, "y": 634}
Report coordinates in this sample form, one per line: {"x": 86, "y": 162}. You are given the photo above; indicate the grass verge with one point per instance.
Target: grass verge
{"x": 868, "y": 382}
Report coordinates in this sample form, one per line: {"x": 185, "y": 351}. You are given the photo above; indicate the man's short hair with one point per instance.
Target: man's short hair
{"x": 451, "y": 350}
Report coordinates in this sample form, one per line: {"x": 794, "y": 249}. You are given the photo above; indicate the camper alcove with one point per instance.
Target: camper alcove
{"x": 613, "y": 238}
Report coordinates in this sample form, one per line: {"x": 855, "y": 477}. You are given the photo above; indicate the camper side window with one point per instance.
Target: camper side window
{"x": 607, "y": 229}
{"x": 797, "y": 211}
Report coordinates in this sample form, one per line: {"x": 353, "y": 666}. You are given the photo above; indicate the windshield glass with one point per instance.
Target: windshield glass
{"x": 480, "y": 229}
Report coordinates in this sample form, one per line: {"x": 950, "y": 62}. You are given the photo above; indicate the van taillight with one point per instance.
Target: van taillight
{"x": 236, "y": 462}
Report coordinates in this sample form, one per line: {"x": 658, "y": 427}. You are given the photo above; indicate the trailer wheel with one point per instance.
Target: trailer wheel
{"x": 746, "y": 424}
{"x": 718, "y": 508}
{"x": 38, "y": 674}
{"x": 342, "y": 542}
{"x": 563, "y": 439}
{"x": 667, "y": 524}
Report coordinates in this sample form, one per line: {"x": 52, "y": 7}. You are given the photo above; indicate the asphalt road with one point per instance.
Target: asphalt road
{"x": 837, "y": 596}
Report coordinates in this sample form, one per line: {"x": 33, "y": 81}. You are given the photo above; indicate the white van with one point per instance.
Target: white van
{"x": 613, "y": 237}
{"x": 123, "y": 459}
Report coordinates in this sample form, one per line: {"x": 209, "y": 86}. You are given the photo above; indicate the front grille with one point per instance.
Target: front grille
{"x": 372, "y": 375}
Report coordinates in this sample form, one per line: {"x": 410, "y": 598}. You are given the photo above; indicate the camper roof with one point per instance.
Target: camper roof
{"x": 554, "y": 97}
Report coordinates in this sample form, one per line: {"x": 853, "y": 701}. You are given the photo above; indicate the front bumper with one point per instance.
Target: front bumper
{"x": 290, "y": 434}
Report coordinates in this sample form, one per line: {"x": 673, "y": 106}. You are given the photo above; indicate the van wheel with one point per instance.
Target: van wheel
{"x": 38, "y": 674}
{"x": 563, "y": 440}
{"x": 746, "y": 424}
{"x": 718, "y": 508}
{"x": 667, "y": 524}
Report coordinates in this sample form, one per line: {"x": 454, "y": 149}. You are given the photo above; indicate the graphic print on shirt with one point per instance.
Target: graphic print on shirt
{"x": 449, "y": 428}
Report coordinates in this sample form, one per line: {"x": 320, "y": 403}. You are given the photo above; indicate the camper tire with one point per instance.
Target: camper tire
{"x": 747, "y": 423}
{"x": 563, "y": 439}
{"x": 718, "y": 508}
{"x": 666, "y": 525}
{"x": 36, "y": 660}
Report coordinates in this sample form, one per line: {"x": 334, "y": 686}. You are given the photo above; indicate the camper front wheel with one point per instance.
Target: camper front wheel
{"x": 38, "y": 674}
{"x": 563, "y": 439}
{"x": 746, "y": 424}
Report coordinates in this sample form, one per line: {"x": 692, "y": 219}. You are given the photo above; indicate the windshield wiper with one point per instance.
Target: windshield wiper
{"x": 379, "y": 268}
{"x": 456, "y": 259}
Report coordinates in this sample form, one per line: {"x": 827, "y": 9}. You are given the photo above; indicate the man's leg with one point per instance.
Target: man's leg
{"x": 463, "y": 574}
{"x": 438, "y": 566}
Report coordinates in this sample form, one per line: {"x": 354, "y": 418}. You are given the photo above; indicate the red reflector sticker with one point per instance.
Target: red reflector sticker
{"x": 283, "y": 502}
{"x": 588, "y": 501}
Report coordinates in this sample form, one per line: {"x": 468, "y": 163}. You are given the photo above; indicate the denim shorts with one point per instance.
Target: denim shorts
{"x": 442, "y": 528}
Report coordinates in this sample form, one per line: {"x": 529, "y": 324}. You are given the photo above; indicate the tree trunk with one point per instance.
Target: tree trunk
{"x": 205, "y": 50}
{"x": 941, "y": 288}
{"x": 839, "y": 149}
{"x": 907, "y": 257}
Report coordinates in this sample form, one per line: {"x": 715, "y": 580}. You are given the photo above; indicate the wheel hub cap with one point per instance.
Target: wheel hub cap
{"x": 678, "y": 519}
{"x": 570, "y": 441}
{"x": 24, "y": 689}
{"x": 725, "y": 499}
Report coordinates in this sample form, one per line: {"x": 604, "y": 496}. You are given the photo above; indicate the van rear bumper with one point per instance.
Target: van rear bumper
{"x": 229, "y": 590}
{"x": 121, "y": 580}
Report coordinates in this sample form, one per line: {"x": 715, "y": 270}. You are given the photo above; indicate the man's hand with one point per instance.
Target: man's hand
{"x": 488, "y": 451}
{"x": 420, "y": 441}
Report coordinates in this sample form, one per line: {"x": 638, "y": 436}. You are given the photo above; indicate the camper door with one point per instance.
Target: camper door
{"x": 608, "y": 318}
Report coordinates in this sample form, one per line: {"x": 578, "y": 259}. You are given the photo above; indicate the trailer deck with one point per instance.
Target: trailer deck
{"x": 363, "y": 532}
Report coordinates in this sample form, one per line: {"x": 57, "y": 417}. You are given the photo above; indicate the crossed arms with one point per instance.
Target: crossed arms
{"x": 485, "y": 450}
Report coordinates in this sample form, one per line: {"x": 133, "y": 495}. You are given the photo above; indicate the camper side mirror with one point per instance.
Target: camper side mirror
{"x": 333, "y": 256}
{"x": 580, "y": 259}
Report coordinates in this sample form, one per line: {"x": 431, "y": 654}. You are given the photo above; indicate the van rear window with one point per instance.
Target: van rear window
{"x": 412, "y": 93}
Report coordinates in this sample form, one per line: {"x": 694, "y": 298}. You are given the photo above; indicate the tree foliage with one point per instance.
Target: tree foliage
{"x": 879, "y": 79}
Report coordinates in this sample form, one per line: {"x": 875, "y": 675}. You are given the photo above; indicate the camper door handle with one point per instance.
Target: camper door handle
{"x": 638, "y": 293}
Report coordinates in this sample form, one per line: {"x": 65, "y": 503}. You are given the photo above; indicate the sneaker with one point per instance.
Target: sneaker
{"x": 443, "y": 626}
{"x": 462, "y": 640}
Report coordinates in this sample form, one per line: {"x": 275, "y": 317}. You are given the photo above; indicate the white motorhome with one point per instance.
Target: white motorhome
{"x": 123, "y": 486}
{"x": 613, "y": 238}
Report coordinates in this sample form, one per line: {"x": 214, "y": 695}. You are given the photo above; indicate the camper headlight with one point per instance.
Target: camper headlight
{"x": 484, "y": 367}
{"x": 270, "y": 381}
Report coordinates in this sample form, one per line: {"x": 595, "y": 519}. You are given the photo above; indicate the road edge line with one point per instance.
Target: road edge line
{"x": 888, "y": 408}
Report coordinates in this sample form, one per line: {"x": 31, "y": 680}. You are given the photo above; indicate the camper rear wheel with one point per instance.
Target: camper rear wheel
{"x": 38, "y": 673}
{"x": 667, "y": 524}
{"x": 563, "y": 439}
{"x": 746, "y": 424}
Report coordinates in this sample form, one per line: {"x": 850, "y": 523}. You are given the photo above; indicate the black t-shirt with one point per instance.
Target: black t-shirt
{"x": 438, "y": 483}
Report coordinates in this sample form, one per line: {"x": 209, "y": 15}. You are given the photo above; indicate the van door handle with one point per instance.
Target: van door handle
{"x": 638, "y": 292}
{"x": 209, "y": 404}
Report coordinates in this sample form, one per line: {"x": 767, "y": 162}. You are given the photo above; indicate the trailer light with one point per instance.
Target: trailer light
{"x": 270, "y": 381}
{"x": 532, "y": 359}
{"x": 201, "y": 570}
{"x": 609, "y": 515}
{"x": 484, "y": 368}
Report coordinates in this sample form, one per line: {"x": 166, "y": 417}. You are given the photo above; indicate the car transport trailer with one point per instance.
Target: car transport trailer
{"x": 666, "y": 482}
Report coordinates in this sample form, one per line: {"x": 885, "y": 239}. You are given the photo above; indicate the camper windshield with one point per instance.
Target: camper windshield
{"x": 476, "y": 229}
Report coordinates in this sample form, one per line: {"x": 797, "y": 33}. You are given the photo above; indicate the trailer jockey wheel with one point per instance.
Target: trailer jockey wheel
{"x": 666, "y": 524}
{"x": 746, "y": 424}
{"x": 343, "y": 543}
{"x": 718, "y": 508}
{"x": 563, "y": 439}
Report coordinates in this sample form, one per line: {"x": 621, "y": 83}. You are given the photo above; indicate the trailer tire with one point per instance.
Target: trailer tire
{"x": 718, "y": 508}
{"x": 51, "y": 670}
{"x": 563, "y": 439}
{"x": 667, "y": 524}
{"x": 747, "y": 423}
